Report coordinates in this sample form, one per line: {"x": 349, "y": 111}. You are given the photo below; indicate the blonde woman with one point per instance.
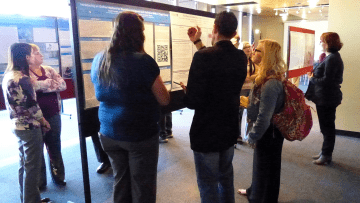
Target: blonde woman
{"x": 266, "y": 98}
{"x": 48, "y": 84}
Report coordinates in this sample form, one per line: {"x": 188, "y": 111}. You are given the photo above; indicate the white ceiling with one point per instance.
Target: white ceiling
{"x": 268, "y": 6}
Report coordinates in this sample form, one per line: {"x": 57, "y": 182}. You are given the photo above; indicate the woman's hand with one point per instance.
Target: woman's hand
{"x": 244, "y": 101}
{"x": 45, "y": 126}
{"x": 310, "y": 74}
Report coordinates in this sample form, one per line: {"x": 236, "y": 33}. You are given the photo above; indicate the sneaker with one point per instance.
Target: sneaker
{"x": 163, "y": 140}
{"x": 170, "y": 136}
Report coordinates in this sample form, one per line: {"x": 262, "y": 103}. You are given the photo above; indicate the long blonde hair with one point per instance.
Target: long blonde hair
{"x": 272, "y": 65}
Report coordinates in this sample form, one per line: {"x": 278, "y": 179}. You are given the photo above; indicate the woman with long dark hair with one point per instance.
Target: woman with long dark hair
{"x": 324, "y": 91}
{"x": 128, "y": 85}
{"x": 27, "y": 120}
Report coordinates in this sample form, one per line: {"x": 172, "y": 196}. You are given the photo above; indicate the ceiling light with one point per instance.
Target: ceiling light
{"x": 312, "y": 3}
{"x": 258, "y": 10}
{"x": 297, "y": 12}
{"x": 276, "y": 13}
{"x": 284, "y": 17}
{"x": 320, "y": 11}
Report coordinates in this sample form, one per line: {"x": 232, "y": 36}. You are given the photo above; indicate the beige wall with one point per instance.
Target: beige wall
{"x": 270, "y": 27}
{"x": 344, "y": 19}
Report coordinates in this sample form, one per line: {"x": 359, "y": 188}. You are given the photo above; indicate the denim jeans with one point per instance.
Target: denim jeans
{"x": 215, "y": 176}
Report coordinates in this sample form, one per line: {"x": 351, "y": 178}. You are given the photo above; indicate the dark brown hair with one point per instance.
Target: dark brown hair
{"x": 17, "y": 58}
{"x": 332, "y": 39}
{"x": 128, "y": 37}
{"x": 227, "y": 23}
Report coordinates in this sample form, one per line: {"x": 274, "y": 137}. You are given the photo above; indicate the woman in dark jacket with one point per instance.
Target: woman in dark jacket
{"x": 324, "y": 91}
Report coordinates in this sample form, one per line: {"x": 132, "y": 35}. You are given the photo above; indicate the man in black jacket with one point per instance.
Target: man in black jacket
{"x": 215, "y": 79}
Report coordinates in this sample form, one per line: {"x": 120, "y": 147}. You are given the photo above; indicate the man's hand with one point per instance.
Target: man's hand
{"x": 183, "y": 86}
{"x": 194, "y": 33}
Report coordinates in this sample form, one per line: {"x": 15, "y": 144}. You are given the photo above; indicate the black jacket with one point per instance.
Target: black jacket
{"x": 324, "y": 87}
{"x": 215, "y": 79}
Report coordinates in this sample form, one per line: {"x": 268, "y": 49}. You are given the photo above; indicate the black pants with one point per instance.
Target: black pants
{"x": 165, "y": 124}
{"x": 101, "y": 156}
{"x": 265, "y": 184}
{"x": 326, "y": 116}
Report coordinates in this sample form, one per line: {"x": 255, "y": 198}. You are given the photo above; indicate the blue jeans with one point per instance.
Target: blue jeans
{"x": 215, "y": 176}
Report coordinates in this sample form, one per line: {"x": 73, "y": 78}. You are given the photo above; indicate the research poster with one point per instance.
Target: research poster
{"x": 301, "y": 53}
{"x": 95, "y": 26}
{"x": 182, "y": 48}
{"x": 26, "y": 29}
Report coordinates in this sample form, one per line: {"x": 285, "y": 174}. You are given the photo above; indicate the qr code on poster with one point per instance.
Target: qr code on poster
{"x": 162, "y": 53}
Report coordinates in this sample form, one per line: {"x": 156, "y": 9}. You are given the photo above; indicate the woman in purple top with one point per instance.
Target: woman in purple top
{"x": 47, "y": 84}
{"x": 27, "y": 119}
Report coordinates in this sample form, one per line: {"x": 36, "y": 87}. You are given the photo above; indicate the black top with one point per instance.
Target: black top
{"x": 324, "y": 87}
{"x": 215, "y": 79}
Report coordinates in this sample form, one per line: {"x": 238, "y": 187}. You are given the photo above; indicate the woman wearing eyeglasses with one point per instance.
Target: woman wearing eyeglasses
{"x": 324, "y": 91}
{"x": 265, "y": 99}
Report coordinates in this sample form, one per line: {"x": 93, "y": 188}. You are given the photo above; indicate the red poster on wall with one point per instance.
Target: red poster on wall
{"x": 301, "y": 51}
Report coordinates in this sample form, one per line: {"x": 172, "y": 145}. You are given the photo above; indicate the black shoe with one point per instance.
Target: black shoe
{"x": 42, "y": 188}
{"x": 317, "y": 156}
{"x": 103, "y": 168}
{"x": 163, "y": 139}
{"x": 60, "y": 182}
{"x": 46, "y": 199}
{"x": 323, "y": 160}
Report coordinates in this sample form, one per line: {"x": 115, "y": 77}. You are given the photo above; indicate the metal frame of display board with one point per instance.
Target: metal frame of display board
{"x": 85, "y": 114}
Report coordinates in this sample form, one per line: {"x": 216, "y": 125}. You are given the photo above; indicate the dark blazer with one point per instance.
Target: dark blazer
{"x": 215, "y": 79}
{"x": 324, "y": 87}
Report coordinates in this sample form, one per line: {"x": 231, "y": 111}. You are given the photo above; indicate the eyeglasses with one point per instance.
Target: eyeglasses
{"x": 257, "y": 50}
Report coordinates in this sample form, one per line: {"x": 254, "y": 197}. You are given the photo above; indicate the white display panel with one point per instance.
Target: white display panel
{"x": 44, "y": 35}
{"x": 8, "y": 36}
{"x": 182, "y": 48}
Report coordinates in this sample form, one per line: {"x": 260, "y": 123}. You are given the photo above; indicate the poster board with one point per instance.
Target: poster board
{"x": 301, "y": 51}
{"x": 166, "y": 39}
{"x": 158, "y": 45}
{"x": 37, "y": 30}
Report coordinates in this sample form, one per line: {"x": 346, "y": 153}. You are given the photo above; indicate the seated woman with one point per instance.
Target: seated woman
{"x": 266, "y": 98}
{"x": 130, "y": 90}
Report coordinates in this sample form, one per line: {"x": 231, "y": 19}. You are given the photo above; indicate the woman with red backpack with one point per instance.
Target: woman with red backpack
{"x": 266, "y": 98}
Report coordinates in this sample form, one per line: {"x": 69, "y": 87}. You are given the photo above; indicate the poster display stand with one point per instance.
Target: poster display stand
{"x": 165, "y": 40}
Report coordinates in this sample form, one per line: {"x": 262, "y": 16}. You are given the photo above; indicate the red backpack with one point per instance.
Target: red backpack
{"x": 295, "y": 120}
